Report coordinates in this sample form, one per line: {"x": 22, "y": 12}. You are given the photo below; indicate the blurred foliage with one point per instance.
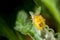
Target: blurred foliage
{"x": 15, "y": 25}
{"x": 25, "y": 26}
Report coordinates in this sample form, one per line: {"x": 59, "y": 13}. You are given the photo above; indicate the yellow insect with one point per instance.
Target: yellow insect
{"x": 38, "y": 21}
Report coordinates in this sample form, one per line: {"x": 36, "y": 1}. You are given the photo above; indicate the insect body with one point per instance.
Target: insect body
{"x": 38, "y": 21}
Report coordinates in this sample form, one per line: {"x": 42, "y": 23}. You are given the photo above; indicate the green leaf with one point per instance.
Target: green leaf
{"x": 22, "y": 23}
{"x": 25, "y": 26}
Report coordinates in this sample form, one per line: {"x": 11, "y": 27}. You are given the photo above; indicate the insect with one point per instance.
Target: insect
{"x": 38, "y": 21}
